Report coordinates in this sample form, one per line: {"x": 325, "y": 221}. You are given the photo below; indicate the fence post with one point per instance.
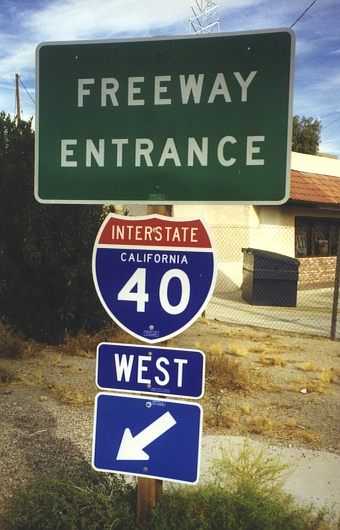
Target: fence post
{"x": 336, "y": 291}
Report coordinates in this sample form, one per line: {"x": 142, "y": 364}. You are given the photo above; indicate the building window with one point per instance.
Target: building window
{"x": 316, "y": 237}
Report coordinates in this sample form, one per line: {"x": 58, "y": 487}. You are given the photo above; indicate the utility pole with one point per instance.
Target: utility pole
{"x": 17, "y": 100}
{"x": 336, "y": 291}
{"x": 204, "y": 16}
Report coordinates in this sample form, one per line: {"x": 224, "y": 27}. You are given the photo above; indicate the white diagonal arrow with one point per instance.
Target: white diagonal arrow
{"x": 131, "y": 447}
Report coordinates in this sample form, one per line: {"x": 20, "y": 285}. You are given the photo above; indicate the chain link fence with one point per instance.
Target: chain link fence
{"x": 291, "y": 286}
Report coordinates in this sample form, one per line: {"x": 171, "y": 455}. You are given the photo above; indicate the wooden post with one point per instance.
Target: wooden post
{"x": 161, "y": 209}
{"x": 149, "y": 490}
{"x": 148, "y": 493}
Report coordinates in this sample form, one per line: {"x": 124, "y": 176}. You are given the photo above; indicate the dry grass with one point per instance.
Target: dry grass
{"x": 232, "y": 334}
{"x": 67, "y": 396}
{"x": 236, "y": 387}
{"x": 291, "y": 422}
{"x": 260, "y": 424}
{"x": 223, "y": 373}
{"x": 273, "y": 348}
{"x": 271, "y": 361}
{"x": 246, "y": 408}
{"x": 277, "y": 361}
{"x": 327, "y": 375}
{"x": 258, "y": 349}
{"x": 269, "y": 349}
{"x": 292, "y": 428}
{"x": 236, "y": 349}
{"x": 223, "y": 418}
{"x": 216, "y": 349}
{"x": 84, "y": 344}
{"x": 262, "y": 359}
{"x": 246, "y": 421}
{"x": 318, "y": 385}
{"x": 308, "y": 366}
{"x": 80, "y": 344}
{"x": 224, "y": 376}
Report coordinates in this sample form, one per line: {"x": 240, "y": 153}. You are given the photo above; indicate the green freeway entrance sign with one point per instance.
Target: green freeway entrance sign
{"x": 195, "y": 119}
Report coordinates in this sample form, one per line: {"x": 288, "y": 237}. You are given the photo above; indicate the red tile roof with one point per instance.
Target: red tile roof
{"x": 314, "y": 188}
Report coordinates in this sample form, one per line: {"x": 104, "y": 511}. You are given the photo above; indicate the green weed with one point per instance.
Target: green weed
{"x": 7, "y": 375}
{"x": 99, "y": 502}
{"x": 244, "y": 492}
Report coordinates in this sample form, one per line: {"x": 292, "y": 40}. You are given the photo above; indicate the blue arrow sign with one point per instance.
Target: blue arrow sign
{"x": 150, "y": 370}
{"x": 147, "y": 437}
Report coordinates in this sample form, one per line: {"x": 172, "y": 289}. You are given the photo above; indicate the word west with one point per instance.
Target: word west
{"x": 124, "y": 364}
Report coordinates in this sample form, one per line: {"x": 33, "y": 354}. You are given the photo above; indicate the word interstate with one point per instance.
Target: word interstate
{"x": 144, "y": 232}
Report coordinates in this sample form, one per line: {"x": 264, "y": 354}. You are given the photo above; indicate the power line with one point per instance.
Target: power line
{"x": 331, "y": 123}
{"x": 303, "y": 14}
{"x": 29, "y": 95}
{"x": 329, "y": 134}
{"x": 330, "y": 114}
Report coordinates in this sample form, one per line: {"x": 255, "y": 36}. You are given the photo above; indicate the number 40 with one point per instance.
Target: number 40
{"x": 134, "y": 290}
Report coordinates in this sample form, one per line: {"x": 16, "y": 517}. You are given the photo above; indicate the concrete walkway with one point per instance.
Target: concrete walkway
{"x": 312, "y": 315}
{"x": 314, "y": 477}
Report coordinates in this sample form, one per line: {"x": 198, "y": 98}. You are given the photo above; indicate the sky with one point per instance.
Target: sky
{"x": 26, "y": 23}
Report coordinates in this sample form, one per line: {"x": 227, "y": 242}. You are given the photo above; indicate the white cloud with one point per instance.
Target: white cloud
{"x": 330, "y": 146}
{"x": 304, "y": 46}
{"x": 26, "y": 23}
{"x": 83, "y": 19}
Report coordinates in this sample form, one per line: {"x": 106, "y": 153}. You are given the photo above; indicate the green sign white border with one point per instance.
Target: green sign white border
{"x": 168, "y": 38}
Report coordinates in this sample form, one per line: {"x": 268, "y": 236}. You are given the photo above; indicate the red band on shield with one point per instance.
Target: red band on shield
{"x": 155, "y": 232}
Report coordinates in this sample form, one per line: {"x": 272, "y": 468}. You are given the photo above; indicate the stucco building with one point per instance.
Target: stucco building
{"x": 306, "y": 227}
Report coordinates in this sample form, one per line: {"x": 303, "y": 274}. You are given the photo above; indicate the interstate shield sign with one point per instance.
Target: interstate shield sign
{"x": 153, "y": 274}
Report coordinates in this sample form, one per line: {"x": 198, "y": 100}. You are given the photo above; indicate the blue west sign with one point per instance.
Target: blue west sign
{"x": 154, "y": 274}
{"x": 147, "y": 437}
{"x": 150, "y": 370}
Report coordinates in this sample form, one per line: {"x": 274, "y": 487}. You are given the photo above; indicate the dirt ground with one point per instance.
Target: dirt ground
{"x": 266, "y": 385}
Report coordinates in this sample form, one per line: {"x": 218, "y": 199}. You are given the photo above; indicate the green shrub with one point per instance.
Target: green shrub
{"x": 244, "y": 492}
{"x": 249, "y": 467}
{"x": 7, "y": 375}
{"x": 99, "y": 502}
{"x": 46, "y": 285}
{"x": 213, "y": 508}
{"x": 11, "y": 344}
{"x": 232, "y": 500}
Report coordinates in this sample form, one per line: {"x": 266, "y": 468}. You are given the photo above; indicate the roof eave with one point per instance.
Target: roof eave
{"x": 311, "y": 204}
